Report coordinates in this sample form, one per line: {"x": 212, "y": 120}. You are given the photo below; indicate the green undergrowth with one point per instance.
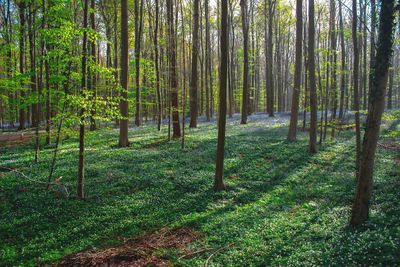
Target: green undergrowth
{"x": 282, "y": 206}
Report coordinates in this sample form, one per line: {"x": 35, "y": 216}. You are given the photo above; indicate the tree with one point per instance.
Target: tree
{"x": 47, "y": 76}
{"x": 81, "y": 167}
{"x": 313, "y": 87}
{"x": 193, "y": 80}
{"x": 157, "y": 67}
{"x": 269, "y": 55}
{"x": 219, "y": 169}
{"x": 343, "y": 67}
{"x": 297, "y": 72}
{"x": 356, "y": 98}
{"x": 172, "y": 70}
{"x": 360, "y": 210}
{"x": 123, "y": 125}
{"x": 208, "y": 69}
{"x": 333, "y": 61}
{"x": 138, "y": 34}
{"x": 93, "y": 70}
{"x": 245, "y": 28}
{"x": 21, "y": 10}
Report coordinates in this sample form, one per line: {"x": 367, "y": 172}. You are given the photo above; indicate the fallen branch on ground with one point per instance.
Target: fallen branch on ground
{"x": 215, "y": 252}
{"x": 61, "y": 188}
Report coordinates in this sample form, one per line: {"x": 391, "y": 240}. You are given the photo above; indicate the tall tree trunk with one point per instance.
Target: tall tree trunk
{"x": 219, "y": 170}
{"x": 333, "y": 60}
{"x": 297, "y": 72}
{"x": 33, "y": 76}
{"x": 32, "y": 57}
{"x": 231, "y": 66}
{"x": 172, "y": 70}
{"x": 138, "y": 34}
{"x": 194, "y": 78}
{"x": 21, "y": 10}
{"x": 116, "y": 48}
{"x": 81, "y": 170}
{"x": 313, "y": 88}
{"x": 360, "y": 210}
{"x": 157, "y": 67}
{"x": 92, "y": 70}
{"x": 184, "y": 77}
{"x": 343, "y": 67}
{"x": 269, "y": 66}
{"x": 245, "y": 94}
{"x": 364, "y": 64}
{"x": 123, "y": 125}
{"x": 209, "y": 57}
{"x": 355, "y": 86}
{"x": 47, "y": 75}
{"x": 208, "y": 67}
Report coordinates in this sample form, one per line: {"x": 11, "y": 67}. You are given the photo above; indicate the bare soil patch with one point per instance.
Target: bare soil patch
{"x": 137, "y": 251}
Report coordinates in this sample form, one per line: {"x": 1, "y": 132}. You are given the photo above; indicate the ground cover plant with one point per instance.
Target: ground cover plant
{"x": 282, "y": 206}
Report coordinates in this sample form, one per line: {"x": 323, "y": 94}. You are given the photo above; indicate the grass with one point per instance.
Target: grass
{"x": 283, "y": 205}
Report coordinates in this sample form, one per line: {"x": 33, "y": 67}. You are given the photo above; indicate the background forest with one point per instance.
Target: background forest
{"x": 117, "y": 116}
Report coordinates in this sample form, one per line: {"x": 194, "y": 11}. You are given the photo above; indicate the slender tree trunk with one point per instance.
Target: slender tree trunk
{"x": 343, "y": 67}
{"x": 21, "y": 10}
{"x": 245, "y": 95}
{"x": 172, "y": 70}
{"x": 33, "y": 77}
{"x": 32, "y": 57}
{"x": 138, "y": 34}
{"x": 116, "y": 48}
{"x": 269, "y": 66}
{"x": 355, "y": 86}
{"x": 209, "y": 58}
{"x": 184, "y": 77}
{"x": 313, "y": 88}
{"x": 364, "y": 64}
{"x": 297, "y": 72}
{"x": 333, "y": 60}
{"x": 360, "y": 210}
{"x": 92, "y": 70}
{"x": 219, "y": 170}
{"x": 194, "y": 78}
{"x": 47, "y": 76}
{"x": 208, "y": 73}
{"x": 123, "y": 125}
{"x": 81, "y": 172}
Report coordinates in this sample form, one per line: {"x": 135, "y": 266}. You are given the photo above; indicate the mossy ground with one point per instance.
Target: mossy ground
{"x": 283, "y": 206}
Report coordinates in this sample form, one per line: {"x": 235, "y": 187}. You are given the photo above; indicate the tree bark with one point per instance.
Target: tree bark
{"x": 245, "y": 29}
{"x": 360, "y": 210}
{"x": 219, "y": 170}
{"x": 343, "y": 68}
{"x": 123, "y": 125}
{"x": 172, "y": 70}
{"x": 81, "y": 170}
{"x": 21, "y": 10}
{"x": 313, "y": 88}
{"x": 355, "y": 86}
{"x": 269, "y": 63}
{"x": 138, "y": 34}
{"x": 297, "y": 72}
{"x": 92, "y": 70}
{"x": 194, "y": 78}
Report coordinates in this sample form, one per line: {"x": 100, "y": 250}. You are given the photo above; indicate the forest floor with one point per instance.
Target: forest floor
{"x": 153, "y": 203}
